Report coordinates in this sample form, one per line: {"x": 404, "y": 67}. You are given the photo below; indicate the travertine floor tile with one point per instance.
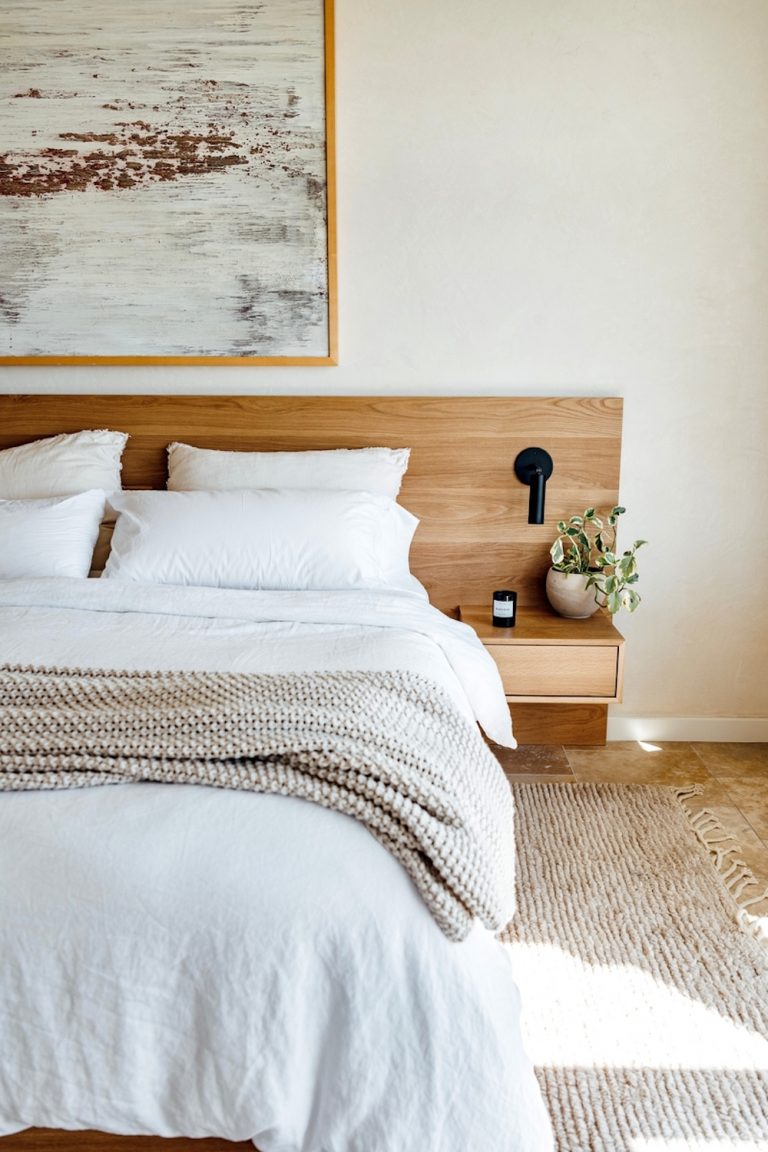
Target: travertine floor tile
{"x": 651, "y": 774}
{"x": 750, "y": 795}
{"x": 626, "y": 762}
{"x": 725, "y": 760}
{"x": 540, "y": 759}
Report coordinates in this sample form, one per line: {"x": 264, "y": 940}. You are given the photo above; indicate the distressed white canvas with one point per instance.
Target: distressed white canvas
{"x": 163, "y": 180}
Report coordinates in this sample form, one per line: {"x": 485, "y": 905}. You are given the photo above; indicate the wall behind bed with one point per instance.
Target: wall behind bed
{"x": 569, "y": 199}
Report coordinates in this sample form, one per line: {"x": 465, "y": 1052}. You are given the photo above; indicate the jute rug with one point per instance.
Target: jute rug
{"x": 645, "y": 999}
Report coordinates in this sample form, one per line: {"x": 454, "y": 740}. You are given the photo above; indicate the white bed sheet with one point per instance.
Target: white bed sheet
{"x": 189, "y": 961}
{"x": 110, "y": 624}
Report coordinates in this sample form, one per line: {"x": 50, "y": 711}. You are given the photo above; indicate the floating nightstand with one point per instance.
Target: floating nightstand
{"x": 559, "y": 675}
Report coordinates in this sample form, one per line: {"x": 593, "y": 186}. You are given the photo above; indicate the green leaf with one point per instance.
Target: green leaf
{"x": 587, "y": 545}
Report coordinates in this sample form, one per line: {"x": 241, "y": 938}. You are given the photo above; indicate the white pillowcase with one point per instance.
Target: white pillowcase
{"x": 62, "y": 465}
{"x": 269, "y": 539}
{"x": 378, "y": 470}
{"x": 49, "y": 537}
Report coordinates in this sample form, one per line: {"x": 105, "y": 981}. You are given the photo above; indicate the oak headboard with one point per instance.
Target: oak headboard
{"x": 474, "y": 535}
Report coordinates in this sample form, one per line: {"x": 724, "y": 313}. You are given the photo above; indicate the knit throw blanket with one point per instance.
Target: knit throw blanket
{"x": 389, "y": 748}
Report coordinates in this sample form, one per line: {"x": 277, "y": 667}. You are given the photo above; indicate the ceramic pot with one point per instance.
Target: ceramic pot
{"x": 568, "y": 594}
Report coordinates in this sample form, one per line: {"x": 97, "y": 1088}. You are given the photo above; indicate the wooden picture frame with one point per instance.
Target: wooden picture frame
{"x": 167, "y": 189}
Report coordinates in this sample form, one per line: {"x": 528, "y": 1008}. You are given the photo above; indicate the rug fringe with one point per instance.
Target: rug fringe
{"x": 735, "y": 873}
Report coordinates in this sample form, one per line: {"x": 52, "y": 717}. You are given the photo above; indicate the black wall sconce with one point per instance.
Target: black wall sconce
{"x": 534, "y": 466}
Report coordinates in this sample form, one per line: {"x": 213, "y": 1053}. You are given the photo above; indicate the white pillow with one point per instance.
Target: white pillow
{"x": 267, "y": 539}
{"x": 62, "y": 465}
{"x": 49, "y": 537}
{"x": 377, "y": 470}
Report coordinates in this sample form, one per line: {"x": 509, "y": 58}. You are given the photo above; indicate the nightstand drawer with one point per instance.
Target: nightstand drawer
{"x": 575, "y": 670}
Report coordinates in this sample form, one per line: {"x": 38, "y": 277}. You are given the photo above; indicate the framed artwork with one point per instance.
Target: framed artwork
{"x": 167, "y": 182}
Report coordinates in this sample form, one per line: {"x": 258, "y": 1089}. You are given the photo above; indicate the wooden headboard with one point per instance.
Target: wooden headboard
{"x": 474, "y": 535}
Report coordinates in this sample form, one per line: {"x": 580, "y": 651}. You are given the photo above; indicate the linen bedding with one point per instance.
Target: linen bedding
{"x": 184, "y": 960}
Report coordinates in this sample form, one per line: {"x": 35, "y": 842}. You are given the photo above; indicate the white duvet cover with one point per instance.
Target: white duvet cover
{"x": 182, "y": 960}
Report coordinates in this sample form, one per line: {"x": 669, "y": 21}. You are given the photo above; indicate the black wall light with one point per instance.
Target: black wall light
{"x": 534, "y": 466}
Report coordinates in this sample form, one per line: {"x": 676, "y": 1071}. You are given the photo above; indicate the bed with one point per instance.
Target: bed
{"x": 249, "y": 965}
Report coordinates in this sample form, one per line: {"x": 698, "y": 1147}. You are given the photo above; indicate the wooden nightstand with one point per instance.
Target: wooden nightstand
{"x": 559, "y": 675}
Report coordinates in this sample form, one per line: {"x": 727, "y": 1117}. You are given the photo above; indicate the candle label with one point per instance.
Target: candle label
{"x": 504, "y": 606}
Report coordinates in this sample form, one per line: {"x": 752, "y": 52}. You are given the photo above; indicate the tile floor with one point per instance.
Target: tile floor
{"x": 734, "y": 778}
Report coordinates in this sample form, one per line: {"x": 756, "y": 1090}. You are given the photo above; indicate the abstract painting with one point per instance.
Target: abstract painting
{"x": 166, "y": 182}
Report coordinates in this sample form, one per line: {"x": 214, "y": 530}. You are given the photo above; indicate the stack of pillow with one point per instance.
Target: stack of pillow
{"x": 52, "y": 499}
{"x": 290, "y": 521}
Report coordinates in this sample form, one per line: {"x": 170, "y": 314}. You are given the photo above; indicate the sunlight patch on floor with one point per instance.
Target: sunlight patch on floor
{"x": 622, "y": 1016}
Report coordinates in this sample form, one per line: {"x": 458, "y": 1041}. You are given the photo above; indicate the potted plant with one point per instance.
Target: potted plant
{"x": 587, "y": 573}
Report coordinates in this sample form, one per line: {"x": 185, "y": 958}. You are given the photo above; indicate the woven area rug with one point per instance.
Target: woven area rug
{"x": 645, "y": 1000}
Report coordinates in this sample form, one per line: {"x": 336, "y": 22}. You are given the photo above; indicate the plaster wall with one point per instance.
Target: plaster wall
{"x": 570, "y": 197}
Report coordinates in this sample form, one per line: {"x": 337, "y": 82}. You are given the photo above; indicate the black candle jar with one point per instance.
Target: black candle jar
{"x": 504, "y": 609}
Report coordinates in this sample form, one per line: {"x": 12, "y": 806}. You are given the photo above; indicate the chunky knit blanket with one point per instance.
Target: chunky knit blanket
{"x": 388, "y": 748}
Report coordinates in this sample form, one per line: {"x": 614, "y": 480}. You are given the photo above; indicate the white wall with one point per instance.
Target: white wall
{"x": 570, "y": 197}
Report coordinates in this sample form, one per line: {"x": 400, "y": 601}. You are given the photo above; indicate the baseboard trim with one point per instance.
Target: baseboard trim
{"x": 737, "y": 729}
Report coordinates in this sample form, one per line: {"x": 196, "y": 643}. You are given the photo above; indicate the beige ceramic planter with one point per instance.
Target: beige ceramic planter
{"x": 568, "y": 594}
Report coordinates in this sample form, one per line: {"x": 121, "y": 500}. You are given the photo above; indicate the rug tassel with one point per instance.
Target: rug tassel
{"x": 721, "y": 854}
{"x": 742, "y": 881}
{"x": 755, "y": 899}
{"x": 729, "y": 876}
{"x": 689, "y": 790}
{"x": 735, "y": 873}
